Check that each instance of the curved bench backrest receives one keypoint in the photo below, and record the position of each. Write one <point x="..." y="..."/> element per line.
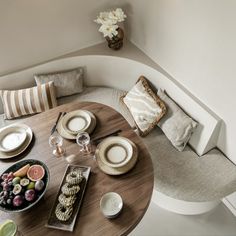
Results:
<point x="122" y="73"/>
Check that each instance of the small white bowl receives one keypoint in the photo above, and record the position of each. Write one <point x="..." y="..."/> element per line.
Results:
<point x="11" y="138"/>
<point x="111" y="204"/>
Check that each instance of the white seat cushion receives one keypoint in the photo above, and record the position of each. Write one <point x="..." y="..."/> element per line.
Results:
<point x="181" y="175"/>
<point x="107" y="96"/>
<point x="185" y="175"/>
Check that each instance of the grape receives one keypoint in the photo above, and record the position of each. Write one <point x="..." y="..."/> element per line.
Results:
<point x="6" y="187"/>
<point x="4" y="176"/>
<point x="10" y="175"/>
<point x="5" y="194"/>
<point x="2" y="201"/>
<point x="9" y="201"/>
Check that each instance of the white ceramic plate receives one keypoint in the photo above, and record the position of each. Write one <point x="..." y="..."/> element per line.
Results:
<point x="22" y="148"/>
<point x="120" y="170"/>
<point x="67" y="135"/>
<point x="115" y="151"/>
<point x="76" y="121"/>
<point x="11" y="138"/>
<point x="111" y="204"/>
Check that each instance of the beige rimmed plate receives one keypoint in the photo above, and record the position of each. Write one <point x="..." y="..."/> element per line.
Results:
<point x="76" y="121"/>
<point x="67" y="135"/>
<point x="22" y="148"/>
<point x="115" y="151"/>
<point x="120" y="170"/>
<point x="11" y="138"/>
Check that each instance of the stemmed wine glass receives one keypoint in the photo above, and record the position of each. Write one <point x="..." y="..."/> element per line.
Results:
<point x="56" y="141"/>
<point x="83" y="140"/>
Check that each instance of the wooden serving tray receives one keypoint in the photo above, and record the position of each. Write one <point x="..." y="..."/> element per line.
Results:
<point x="53" y="222"/>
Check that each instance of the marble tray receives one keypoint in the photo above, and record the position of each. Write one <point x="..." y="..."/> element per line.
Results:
<point x="53" y="222"/>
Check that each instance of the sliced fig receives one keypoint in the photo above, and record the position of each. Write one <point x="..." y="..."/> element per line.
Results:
<point x="17" y="189"/>
<point x="24" y="182"/>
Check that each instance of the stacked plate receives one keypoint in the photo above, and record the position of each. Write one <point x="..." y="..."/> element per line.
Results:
<point x="76" y="121"/>
<point x="14" y="140"/>
<point x="116" y="155"/>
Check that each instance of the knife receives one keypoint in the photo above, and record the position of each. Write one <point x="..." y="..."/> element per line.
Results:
<point x="98" y="139"/>
<point x="55" y="125"/>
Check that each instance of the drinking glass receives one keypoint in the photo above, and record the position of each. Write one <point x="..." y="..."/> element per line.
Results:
<point x="83" y="140"/>
<point x="56" y="142"/>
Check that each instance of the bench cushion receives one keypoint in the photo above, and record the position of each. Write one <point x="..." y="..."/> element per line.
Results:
<point x="181" y="175"/>
<point x="185" y="175"/>
<point x="107" y="96"/>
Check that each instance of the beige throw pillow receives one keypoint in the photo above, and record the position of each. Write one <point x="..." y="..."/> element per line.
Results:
<point x="22" y="102"/>
<point x="145" y="106"/>
<point x="66" y="82"/>
<point x="176" y="125"/>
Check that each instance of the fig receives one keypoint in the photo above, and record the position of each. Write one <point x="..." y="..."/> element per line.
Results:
<point x="17" y="189"/>
<point x="30" y="195"/>
<point x="18" y="200"/>
<point x="16" y="180"/>
<point x="24" y="182"/>
<point x="39" y="185"/>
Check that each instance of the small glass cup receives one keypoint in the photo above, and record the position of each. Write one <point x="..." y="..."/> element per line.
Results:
<point x="56" y="142"/>
<point x="83" y="140"/>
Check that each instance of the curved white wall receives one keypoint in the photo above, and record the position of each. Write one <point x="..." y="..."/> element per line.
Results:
<point x="194" y="41"/>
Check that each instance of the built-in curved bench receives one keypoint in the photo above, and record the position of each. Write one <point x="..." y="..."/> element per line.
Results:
<point x="184" y="182"/>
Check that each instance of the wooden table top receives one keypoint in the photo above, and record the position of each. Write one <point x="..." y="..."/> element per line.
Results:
<point x="135" y="187"/>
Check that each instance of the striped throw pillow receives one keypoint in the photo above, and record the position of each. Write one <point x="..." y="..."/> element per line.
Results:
<point x="145" y="106"/>
<point x="33" y="100"/>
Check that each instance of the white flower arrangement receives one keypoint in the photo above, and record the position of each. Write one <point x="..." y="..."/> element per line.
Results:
<point x="108" y="22"/>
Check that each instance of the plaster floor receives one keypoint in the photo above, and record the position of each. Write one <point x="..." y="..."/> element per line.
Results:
<point x="159" y="222"/>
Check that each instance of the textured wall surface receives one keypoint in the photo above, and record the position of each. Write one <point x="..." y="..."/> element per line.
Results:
<point x="194" y="41"/>
<point x="35" y="31"/>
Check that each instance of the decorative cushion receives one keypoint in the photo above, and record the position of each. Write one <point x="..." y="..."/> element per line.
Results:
<point x="145" y="106"/>
<point x="176" y="125"/>
<point x="22" y="102"/>
<point x="66" y="82"/>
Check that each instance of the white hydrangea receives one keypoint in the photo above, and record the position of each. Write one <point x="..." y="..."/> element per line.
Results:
<point x="109" y="30"/>
<point x="109" y="20"/>
<point x="104" y="18"/>
<point x="118" y="15"/>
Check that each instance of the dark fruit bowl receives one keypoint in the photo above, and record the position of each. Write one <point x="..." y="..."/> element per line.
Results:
<point x="28" y="205"/>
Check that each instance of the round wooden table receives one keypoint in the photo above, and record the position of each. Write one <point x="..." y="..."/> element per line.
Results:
<point x="135" y="187"/>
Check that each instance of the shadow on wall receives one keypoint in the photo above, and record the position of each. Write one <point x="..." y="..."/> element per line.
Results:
<point x="140" y="23"/>
<point x="222" y="138"/>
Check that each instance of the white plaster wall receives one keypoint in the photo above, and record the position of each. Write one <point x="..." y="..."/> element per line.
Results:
<point x="195" y="42"/>
<point x="33" y="31"/>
